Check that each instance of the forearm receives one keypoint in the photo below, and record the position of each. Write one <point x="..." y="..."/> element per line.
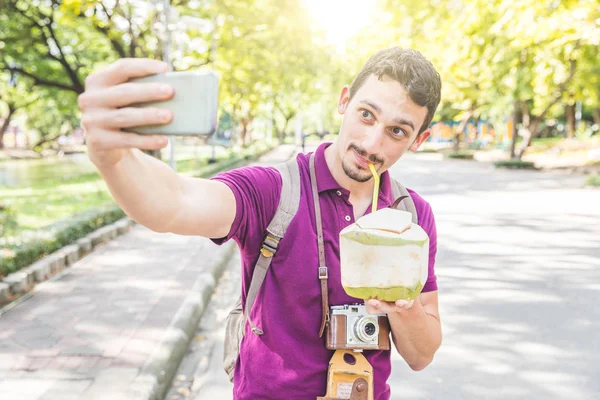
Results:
<point x="416" y="334"/>
<point x="145" y="188"/>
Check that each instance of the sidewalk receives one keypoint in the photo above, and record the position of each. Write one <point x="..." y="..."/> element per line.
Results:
<point x="117" y="323"/>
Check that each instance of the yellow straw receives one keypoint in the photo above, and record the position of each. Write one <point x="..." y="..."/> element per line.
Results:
<point x="376" y="188"/>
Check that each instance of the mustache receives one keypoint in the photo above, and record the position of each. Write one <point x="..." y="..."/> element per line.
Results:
<point x="363" y="153"/>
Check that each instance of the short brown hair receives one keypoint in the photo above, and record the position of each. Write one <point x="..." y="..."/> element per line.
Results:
<point x="411" y="69"/>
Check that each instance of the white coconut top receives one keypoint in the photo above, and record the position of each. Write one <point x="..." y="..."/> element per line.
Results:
<point x="386" y="219"/>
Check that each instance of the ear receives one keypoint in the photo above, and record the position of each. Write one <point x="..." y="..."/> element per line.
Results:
<point x="344" y="99"/>
<point x="420" y="140"/>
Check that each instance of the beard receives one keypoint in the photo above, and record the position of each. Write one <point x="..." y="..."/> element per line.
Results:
<point x="355" y="172"/>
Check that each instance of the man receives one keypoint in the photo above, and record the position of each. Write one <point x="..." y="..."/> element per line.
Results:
<point x="386" y="112"/>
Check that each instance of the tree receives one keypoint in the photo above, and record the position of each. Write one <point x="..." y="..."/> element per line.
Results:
<point x="264" y="54"/>
<point x="15" y="95"/>
<point x="55" y="44"/>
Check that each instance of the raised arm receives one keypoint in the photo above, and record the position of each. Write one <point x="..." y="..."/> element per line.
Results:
<point x="146" y="188"/>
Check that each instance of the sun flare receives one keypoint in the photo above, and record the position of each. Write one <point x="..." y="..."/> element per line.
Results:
<point x="341" y="19"/>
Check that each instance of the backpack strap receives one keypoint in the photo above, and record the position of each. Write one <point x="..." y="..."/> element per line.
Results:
<point x="403" y="200"/>
<point x="286" y="210"/>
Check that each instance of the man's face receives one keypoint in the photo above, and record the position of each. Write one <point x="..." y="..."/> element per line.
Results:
<point x="379" y="124"/>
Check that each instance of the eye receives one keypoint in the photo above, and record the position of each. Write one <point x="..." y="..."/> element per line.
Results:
<point x="398" y="132"/>
<point x="366" y="114"/>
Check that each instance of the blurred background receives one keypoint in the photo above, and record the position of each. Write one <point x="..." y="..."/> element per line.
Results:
<point x="521" y="79"/>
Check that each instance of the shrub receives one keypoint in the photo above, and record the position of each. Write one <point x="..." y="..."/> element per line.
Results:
<point x="20" y="251"/>
<point x="593" y="180"/>
<point x="8" y="220"/>
<point x="515" y="164"/>
<point x="461" y="156"/>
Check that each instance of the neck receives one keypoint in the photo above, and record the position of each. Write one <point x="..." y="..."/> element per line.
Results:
<point x="334" y="163"/>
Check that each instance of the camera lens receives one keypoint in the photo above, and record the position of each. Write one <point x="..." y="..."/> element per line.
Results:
<point x="366" y="330"/>
<point x="370" y="329"/>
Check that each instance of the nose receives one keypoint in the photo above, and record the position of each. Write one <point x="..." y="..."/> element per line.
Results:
<point x="374" y="141"/>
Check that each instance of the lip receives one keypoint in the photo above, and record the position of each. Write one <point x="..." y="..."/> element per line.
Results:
<point x="361" y="160"/>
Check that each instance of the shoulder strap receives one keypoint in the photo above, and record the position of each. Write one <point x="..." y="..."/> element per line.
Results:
<point x="287" y="208"/>
<point x="403" y="200"/>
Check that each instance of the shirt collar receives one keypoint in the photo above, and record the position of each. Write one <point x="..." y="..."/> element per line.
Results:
<point x="326" y="181"/>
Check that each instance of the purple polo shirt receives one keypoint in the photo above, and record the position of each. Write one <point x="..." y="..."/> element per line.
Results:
<point x="290" y="360"/>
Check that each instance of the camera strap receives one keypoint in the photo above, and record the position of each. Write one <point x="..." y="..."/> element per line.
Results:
<point x="322" y="267"/>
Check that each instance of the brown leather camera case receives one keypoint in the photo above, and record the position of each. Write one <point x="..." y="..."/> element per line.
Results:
<point x="336" y="334"/>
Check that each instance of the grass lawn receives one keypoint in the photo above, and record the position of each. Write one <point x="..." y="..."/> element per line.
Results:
<point x="39" y="205"/>
<point x="50" y="200"/>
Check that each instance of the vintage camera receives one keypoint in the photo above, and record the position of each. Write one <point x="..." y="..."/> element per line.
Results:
<point x="351" y="327"/>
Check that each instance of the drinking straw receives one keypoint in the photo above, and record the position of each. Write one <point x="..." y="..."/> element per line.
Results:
<point x="376" y="188"/>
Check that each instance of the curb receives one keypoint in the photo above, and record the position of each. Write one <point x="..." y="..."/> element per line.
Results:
<point x="156" y="375"/>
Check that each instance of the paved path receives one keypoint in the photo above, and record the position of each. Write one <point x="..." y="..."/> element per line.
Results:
<point x="519" y="274"/>
<point x="111" y="325"/>
<point x="88" y="334"/>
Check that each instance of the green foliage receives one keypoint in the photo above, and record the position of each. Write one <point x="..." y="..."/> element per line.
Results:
<point x="8" y="220"/>
<point x="539" y="55"/>
<point x="515" y="164"/>
<point x="593" y="180"/>
<point x="22" y="251"/>
<point x="275" y="65"/>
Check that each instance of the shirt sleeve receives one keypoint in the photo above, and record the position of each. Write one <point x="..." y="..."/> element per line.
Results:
<point x="256" y="191"/>
<point x="427" y="222"/>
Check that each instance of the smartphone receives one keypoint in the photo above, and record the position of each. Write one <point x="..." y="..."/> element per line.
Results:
<point x="194" y="104"/>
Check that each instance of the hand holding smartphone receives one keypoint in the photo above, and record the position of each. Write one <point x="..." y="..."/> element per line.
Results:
<point x="194" y="104"/>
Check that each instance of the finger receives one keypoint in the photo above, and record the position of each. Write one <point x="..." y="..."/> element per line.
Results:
<point x="124" y="69"/>
<point x="370" y="306"/>
<point x="373" y="303"/>
<point x="375" y="306"/>
<point x="124" y="95"/>
<point x="109" y="140"/>
<point x="128" y="117"/>
<point x="405" y="304"/>
<point x="401" y="303"/>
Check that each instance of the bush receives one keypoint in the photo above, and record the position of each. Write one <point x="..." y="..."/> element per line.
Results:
<point x="461" y="156"/>
<point x="515" y="164"/>
<point x="593" y="180"/>
<point x="19" y="252"/>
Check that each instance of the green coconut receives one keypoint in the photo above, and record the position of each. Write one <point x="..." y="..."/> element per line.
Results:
<point x="385" y="256"/>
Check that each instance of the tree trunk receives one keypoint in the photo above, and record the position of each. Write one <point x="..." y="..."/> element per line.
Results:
<point x="5" y="125"/>
<point x="456" y="145"/>
<point x="244" y="123"/>
<point x="460" y="129"/>
<point x="570" y="117"/>
<point x="596" y="115"/>
<point x="515" y="131"/>
<point x="287" y="121"/>
<point x="275" y="132"/>
<point x="530" y="132"/>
